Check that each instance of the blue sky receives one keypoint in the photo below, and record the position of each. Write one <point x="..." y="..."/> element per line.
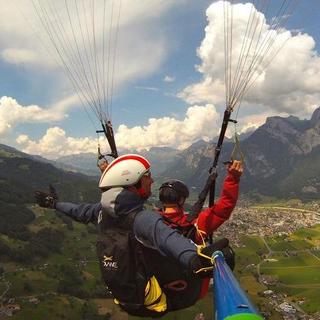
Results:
<point x="168" y="77"/>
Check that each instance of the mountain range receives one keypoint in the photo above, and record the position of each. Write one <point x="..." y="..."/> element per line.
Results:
<point x="21" y="174"/>
<point x="282" y="160"/>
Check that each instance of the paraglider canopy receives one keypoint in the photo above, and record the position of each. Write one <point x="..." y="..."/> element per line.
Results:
<point x="82" y="37"/>
<point x="250" y="46"/>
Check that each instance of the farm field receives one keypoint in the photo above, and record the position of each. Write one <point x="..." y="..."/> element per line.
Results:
<point x="296" y="265"/>
<point x="67" y="284"/>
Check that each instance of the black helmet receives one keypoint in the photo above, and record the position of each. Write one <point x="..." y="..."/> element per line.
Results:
<point x="173" y="191"/>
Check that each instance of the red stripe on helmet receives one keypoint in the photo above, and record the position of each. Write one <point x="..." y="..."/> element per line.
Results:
<point x="142" y="160"/>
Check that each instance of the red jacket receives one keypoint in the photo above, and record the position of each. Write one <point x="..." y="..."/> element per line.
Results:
<point x="211" y="218"/>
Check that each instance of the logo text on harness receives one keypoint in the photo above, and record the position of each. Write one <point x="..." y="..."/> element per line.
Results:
<point x="109" y="263"/>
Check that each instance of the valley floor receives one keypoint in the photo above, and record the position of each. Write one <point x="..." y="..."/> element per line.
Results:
<point x="278" y="264"/>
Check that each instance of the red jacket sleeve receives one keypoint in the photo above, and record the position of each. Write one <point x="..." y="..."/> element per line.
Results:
<point x="210" y="219"/>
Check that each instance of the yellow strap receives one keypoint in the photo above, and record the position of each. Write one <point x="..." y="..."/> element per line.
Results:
<point x="199" y="251"/>
<point x="201" y="233"/>
<point x="204" y="269"/>
<point x="200" y="248"/>
<point x="155" y="299"/>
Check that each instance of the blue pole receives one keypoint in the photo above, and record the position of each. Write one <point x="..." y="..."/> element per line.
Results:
<point x="231" y="302"/>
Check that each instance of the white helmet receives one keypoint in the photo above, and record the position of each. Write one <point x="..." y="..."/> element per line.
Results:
<point x="124" y="171"/>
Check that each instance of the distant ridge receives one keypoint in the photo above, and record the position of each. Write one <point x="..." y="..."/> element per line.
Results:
<point x="21" y="174"/>
<point x="282" y="159"/>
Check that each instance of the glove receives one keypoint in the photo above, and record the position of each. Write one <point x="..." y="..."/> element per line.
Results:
<point x="236" y="169"/>
<point x="229" y="257"/>
<point x="200" y="262"/>
<point x="45" y="199"/>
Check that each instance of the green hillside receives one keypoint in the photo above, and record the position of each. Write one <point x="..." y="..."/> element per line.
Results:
<point x="19" y="177"/>
<point x="49" y="269"/>
<point x="40" y="255"/>
<point x="61" y="278"/>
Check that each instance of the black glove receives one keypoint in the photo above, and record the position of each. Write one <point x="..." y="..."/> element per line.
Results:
<point x="229" y="257"/>
<point x="199" y="262"/>
<point x="46" y="199"/>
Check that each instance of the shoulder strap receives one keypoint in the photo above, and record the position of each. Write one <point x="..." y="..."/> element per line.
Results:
<point x="192" y="216"/>
<point x="126" y="222"/>
<point x="107" y="221"/>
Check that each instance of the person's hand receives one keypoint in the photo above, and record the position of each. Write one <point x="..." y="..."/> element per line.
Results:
<point x="202" y="264"/>
<point x="236" y="168"/>
<point x="46" y="199"/>
<point x="103" y="165"/>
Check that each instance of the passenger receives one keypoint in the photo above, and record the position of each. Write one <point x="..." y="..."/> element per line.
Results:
<point x="173" y="194"/>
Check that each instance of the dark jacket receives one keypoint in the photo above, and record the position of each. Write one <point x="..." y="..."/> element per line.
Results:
<point x="148" y="227"/>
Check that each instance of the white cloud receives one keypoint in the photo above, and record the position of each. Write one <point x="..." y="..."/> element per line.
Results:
<point x="12" y="114"/>
<point x="17" y="56"/>
<point x="169" y="79"/>
<point x="290" y="84"/>
<point x="147" y="88"/>
<point x="60" y="107"/>
<point x="56" y="143"/>
<point x="200" y="122"/>
<point x="141" y="48"/>
<point x="208" y="90"/>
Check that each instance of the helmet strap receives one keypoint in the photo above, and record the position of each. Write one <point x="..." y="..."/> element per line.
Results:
<point x="138" y="190"/>
<point x="142" y="193"/>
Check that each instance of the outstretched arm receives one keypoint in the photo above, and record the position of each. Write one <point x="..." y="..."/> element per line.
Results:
<point x="211" y="218"/>
<point x="151" y="231"/>
<point x="84" y="212"/>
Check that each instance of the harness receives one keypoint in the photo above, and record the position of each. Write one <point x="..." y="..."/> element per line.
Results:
<point x="134" y="272"/>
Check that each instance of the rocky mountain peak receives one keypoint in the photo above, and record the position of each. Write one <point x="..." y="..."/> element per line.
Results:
<point x="283" y="130"/>
<point x="285" y="125"/>
<point x="310" y="139"/>
<point x="315" y="119"/>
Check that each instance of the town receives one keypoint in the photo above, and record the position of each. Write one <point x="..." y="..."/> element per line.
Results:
<point x="273" y="221"/>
